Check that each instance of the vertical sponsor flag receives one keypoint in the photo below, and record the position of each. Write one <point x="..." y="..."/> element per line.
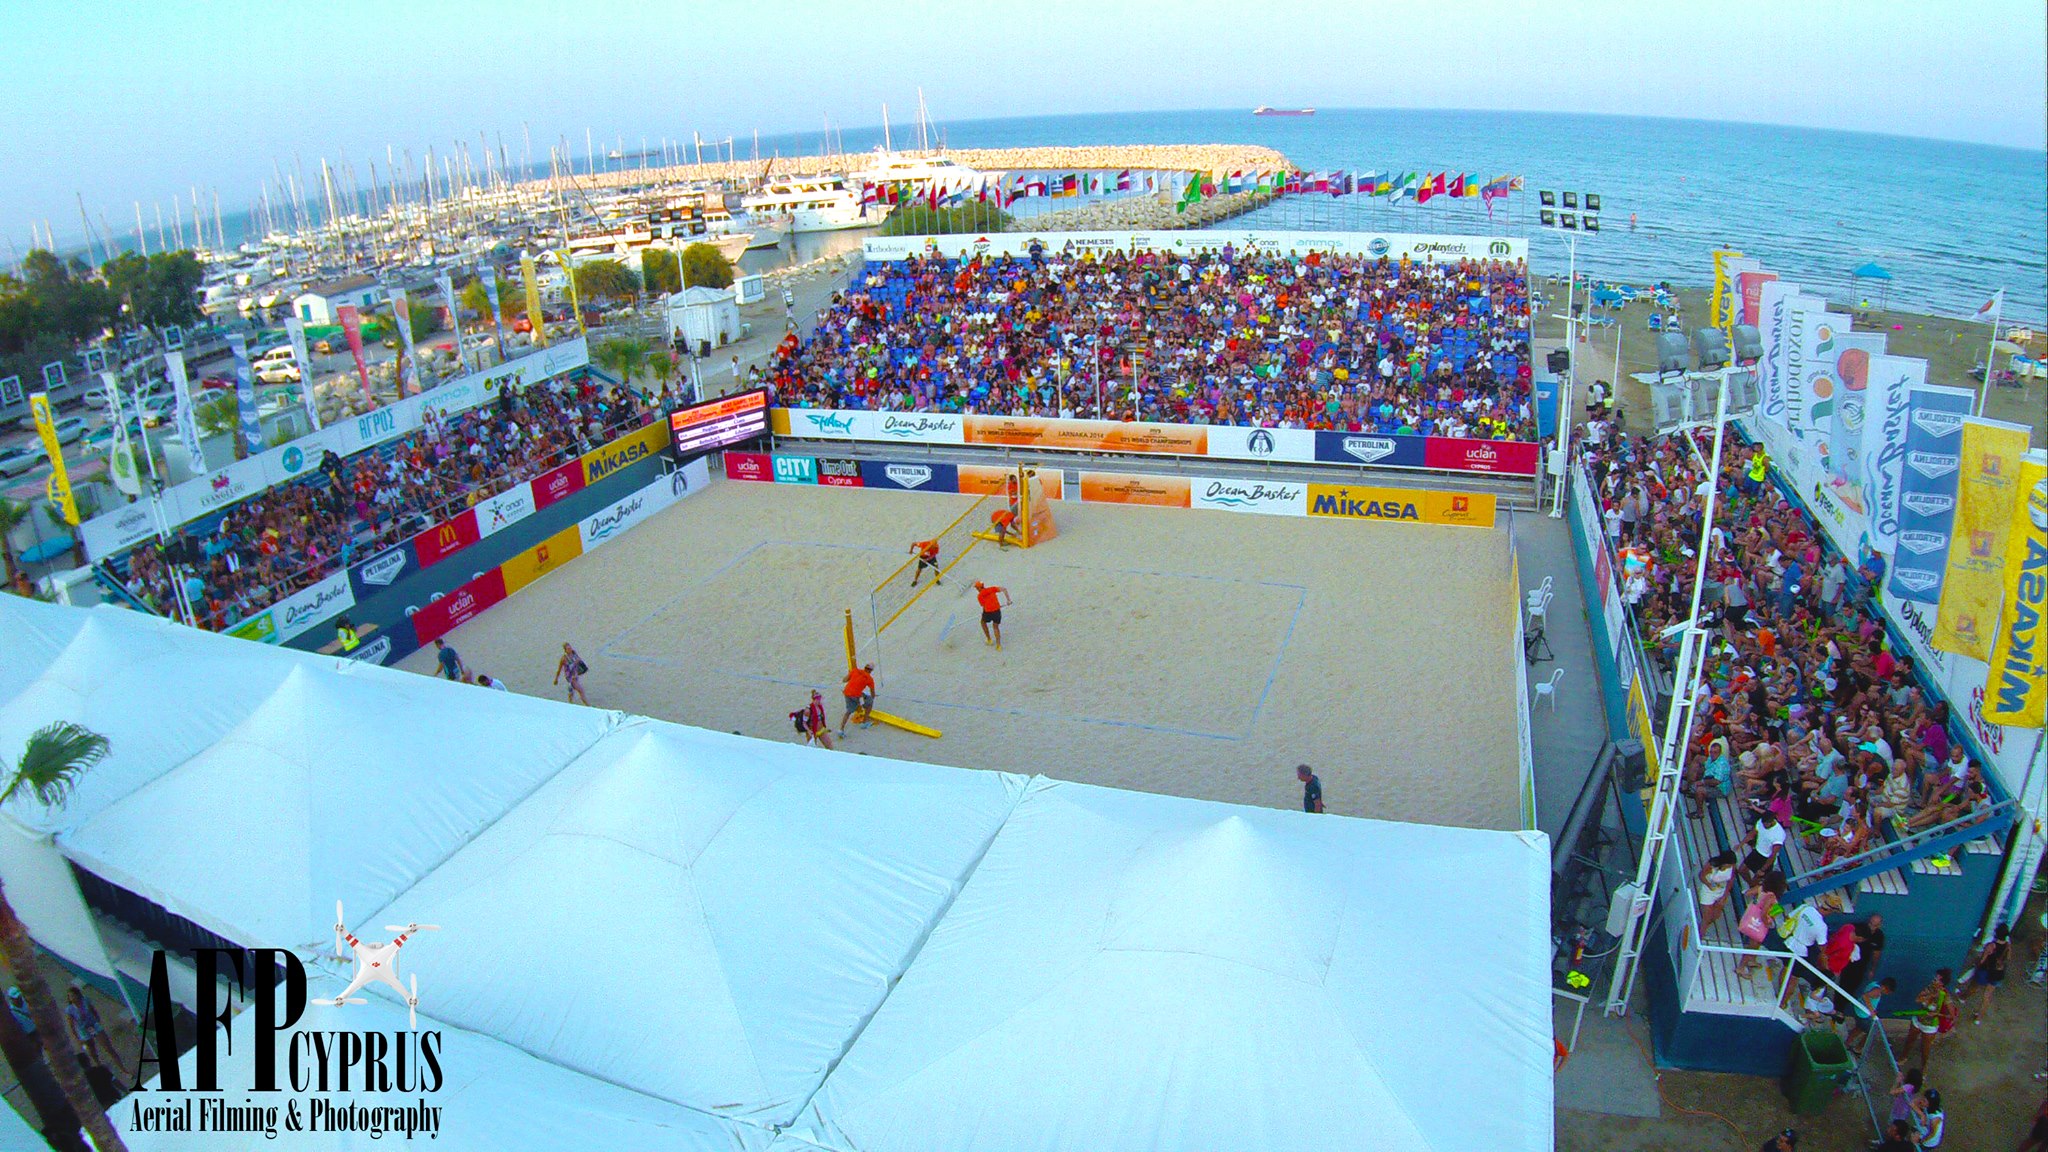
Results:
<point x="1927" y="501"/>
<point x="535" y="319"/>
<point x="1775" y="303"/>
<point x="121" y="462"/>
<point x="489" y="276"/>
<point x="447" y="286"/>
<point x="352" y="328"/>
<point x="1842" y="448"/>
<point x="188" y="420"/>
<point x="59" y="485"/>
<point x="1816" y="389"/>
<point x="245" y="395"/>
<point x="1749" y="288"/>
<point x="575" y="296"/>
<point x="1987" y="483"/>
<point x="401" y="311"/>
<point x="295" y="328"/>
<point x="1883" y="451"/>
<point x="2016" y="689"/>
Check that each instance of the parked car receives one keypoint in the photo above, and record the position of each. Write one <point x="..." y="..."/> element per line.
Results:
<point x="217" y="383"/>
<point x="15" y="461"/>
<point x="278" y="372"/>
<point x="70" y="429"/>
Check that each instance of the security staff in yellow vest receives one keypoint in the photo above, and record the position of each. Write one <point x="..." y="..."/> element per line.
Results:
<point x="1759" y="467"/>
<point x="345" y="632"/>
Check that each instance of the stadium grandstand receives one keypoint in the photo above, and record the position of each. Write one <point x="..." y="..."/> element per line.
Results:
<point x="255" y="553"/>
<point x="1322" y="341"/>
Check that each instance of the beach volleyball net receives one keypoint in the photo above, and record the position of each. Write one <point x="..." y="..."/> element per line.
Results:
<point x="894" y="596"/>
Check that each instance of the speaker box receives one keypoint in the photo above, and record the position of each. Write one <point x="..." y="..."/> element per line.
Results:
<point x="1559" y="361"/>
<point x="1633" y="765"/>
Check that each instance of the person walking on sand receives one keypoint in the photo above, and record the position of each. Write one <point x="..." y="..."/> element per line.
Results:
<point x="449" y="662"/>
<point x="992" y="597"/>
<point x="1311" y="788"/>
<point x="1988" y="972"/>
<point x="572" y="666"/>
<point x="859" y="692"/>
<point x="927" y="553"/>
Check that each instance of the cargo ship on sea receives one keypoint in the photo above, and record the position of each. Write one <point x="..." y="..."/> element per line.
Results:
<point x="1262" y="110"/>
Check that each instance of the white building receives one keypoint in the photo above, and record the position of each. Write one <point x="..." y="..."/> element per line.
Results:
<point x="704" y="317"/>
<point x="317" y="304"/>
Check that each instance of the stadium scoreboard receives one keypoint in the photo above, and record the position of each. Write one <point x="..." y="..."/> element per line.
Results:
<point x="713" y="424"/>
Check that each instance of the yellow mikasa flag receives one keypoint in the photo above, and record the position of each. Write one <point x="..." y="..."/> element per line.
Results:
<point x="59" y="485"/>
<point x="575" y="302"/>
<point x="533" y="313"/>
<point x="1975" y="580"/>
<point x="2016" y="690"/>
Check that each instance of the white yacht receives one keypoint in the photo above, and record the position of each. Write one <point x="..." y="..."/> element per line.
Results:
<point x="814" y="204"/>
<point x="762" y="232"/>
<point x="895" y="168"/>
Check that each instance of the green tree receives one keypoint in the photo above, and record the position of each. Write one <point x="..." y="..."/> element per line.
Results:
<point x="12" y="513"/>
<point x="156" y="290"/>
<point x="659" y="270"/>
<point x="605" y="280"/>
<point x="49" y="768"/>
<point x="220" y="415"/>
<point x="510" y="303"/>
<point x="706" y="267"/>
<point x="625" y="357"/>
<point x="921" y="220"/>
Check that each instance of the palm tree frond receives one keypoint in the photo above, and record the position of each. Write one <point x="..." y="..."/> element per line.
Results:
<point x="56" y="756"/>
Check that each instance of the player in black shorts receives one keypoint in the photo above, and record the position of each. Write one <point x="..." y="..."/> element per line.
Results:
<point x="992" y="597"/>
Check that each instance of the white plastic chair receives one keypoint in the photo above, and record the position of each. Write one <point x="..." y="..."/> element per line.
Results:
<point x="1540" y="593"/>
<point x="1539" y="609"/>
<point x="1549" y="688"/>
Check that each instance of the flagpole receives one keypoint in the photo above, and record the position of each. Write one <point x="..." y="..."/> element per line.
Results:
<point x="1990" y="351"/>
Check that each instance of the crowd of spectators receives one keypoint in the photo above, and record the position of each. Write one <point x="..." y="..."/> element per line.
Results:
<point x="1805" y="714"/>
<point x="263" y="549"/>
<point x="1315" y="341"/>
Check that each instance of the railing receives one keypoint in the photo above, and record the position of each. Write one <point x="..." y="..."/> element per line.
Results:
<point x="1892" y="853"/>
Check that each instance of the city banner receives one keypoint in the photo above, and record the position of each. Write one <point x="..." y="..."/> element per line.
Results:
<point x="1927" y="499"/>
<point x="1987" y="483"/>
<point x="2016" y="687"/>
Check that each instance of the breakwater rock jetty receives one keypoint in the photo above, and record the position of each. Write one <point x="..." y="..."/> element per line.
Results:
<point x="1214" y="158"/>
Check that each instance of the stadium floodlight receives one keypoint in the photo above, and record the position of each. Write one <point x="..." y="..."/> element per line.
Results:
<point x="1749" y="344"/>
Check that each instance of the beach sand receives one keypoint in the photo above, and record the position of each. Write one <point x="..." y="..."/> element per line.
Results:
<point x="1190" y="652"/>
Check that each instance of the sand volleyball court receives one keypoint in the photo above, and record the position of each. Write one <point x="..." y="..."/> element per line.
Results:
<point x="1192" y="652"/>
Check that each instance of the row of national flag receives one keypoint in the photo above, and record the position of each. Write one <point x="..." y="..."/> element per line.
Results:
<point x="1003" y="190"/>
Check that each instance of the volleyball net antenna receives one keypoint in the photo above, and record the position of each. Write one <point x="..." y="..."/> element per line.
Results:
<point x="894" y="596"/>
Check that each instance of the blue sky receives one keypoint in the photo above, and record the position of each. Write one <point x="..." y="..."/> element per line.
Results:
<point x="140" y="101"/>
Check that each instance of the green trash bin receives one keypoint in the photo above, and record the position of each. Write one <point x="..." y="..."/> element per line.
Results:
<point x="1820" y="1062"/>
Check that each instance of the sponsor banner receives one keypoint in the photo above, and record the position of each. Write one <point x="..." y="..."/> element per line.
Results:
<point x="379" y="649"/>
<point x="2016" y="683"/>
<point x="989" y="480"/>
<point x="59" y="484"/>
<point x="1842" y="450"/>
<point x="352" y="328"/>
<point x="1749" y="288"/>
<point x="122" y="528"/>
<point x="1126" y="488"/>
<point x="1358" y="502"/>
<point x="1974" y="582"/>
<point x="1509" y="457"/>
<point x="187" y="416"/>
<point x="383" y="570"/>
<point x="261" y="628"/>
<point x="1269" y="497"/>
<point x="1776" y="299"/>
<point x="245" y="394"/>
<point x="1292" y="445"/>
<point x="207" y="494"/>
<point x="644" y="502"/>
<point x="503" y="510"/>
<point x="599" y="463"/>
<point x="446" y="538"/>
<point x="296" y="329"/>
<point x="916" y="427"/>
<point x="914" y="477"/>
<point x="1088" y="435"/>
<point x="839" y="473"/>
<point x="1927" y="499"/>
<point x="1883" y="451"/>
<point x="749" y="466"/>
<point x="542" y="558"/>
<point x="794" y="469"/>
<point x="441" y="616"/>
<point x="1802" y="465"/>
<point x="556" y="484"/>
<point x="1391" y="245"/>
<point x="315" y="605"/>
<point x="1370" y="448"/>
<point x="1809" y="335"/>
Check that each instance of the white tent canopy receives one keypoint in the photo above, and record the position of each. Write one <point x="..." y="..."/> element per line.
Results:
<point x="1130" y="971"/>
<point x="659" y="937"/>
